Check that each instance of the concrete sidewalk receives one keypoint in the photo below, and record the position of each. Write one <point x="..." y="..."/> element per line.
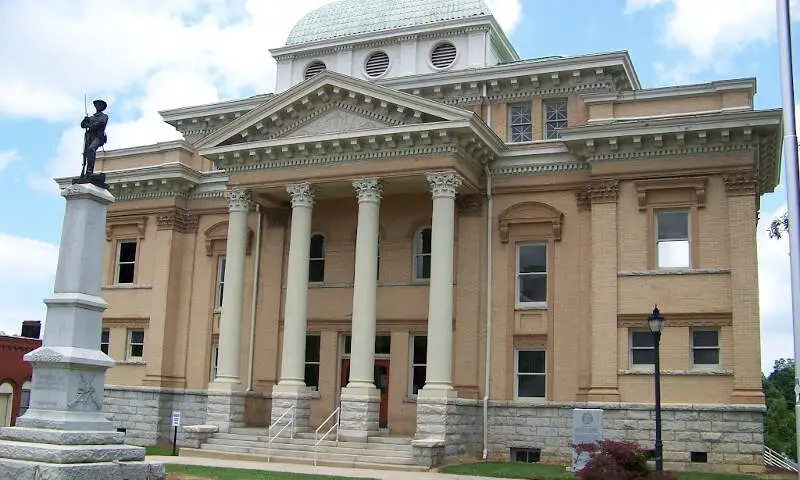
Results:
<point x="310" y="469"/>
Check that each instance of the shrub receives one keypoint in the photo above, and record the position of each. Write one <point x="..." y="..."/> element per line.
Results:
<point x="617" y="460"/>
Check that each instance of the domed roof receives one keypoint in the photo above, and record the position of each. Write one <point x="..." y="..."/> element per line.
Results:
<point x="351" y="17"/>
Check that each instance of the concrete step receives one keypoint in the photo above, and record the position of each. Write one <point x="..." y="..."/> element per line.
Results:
<point x="304" y="459"/>
<point x="337" y="455"/>
<point x="232" y="439"/>
<point x="328" y="447"/>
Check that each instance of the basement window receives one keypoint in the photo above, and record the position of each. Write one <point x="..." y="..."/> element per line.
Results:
<point x="526" y="455"/>
<point x="699" y="457"/>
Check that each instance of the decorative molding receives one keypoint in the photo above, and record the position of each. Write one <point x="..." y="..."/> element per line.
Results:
<point x="741" y="183"/>
<point x="697" y="185"/>
<point x="218" y="232"/>
<point x="583" y="199"/>
<point x="239" y="200"/>
<point x="530" y="213"/>
<point x="179" y="220"/>
<point x="85" y="395"/>
<point x="138" y="221"/>
<point x="444" y="184"/>
<point x="126" y="322"/>
<point x="639" y="320"/>
<point x="469" y="205"/>
<point x="674" y="271"/>
<point x="539" y="168"/>
<point x="601" y="191"/>
<point x="368" y="190"/>
<point x="302" y="194"/>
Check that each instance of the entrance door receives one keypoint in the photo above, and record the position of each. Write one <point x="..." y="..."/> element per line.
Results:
<point x="381" y="379"/>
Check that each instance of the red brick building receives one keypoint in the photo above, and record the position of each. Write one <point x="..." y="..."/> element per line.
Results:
<point x="15" y="373"/>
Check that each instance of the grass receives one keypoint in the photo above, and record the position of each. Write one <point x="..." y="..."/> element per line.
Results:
<point x="158" y="451"/>
<point x="238" y="474"/>
<point x="532" y="471"/>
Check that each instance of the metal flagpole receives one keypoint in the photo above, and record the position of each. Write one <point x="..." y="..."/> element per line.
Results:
<point x="792" y="184"/>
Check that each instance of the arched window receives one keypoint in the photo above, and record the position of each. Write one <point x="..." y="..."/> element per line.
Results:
<point x="316" y="262"/>
<point x="6" y="403"/>
<point x="422" y="254"/>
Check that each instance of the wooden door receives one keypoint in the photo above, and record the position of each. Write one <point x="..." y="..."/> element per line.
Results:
<point x="381" y="383"/>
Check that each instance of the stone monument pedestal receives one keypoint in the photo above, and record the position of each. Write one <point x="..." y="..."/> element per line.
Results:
<point x="64" y="434"/>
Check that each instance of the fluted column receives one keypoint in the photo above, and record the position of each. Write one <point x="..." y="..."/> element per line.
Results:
<point x="296" y="308"/>
<point x="362" y="362"/>
<point x="230" y="324"/>
<point x="439" y="377"/>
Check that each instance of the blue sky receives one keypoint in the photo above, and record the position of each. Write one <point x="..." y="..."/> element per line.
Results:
<point x="146" y="55"/>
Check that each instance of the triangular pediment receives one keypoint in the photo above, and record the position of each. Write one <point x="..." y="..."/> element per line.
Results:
<point x="331" y="103"/>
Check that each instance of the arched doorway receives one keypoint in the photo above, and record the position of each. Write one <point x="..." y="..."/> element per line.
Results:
<point x="6" y="403"/>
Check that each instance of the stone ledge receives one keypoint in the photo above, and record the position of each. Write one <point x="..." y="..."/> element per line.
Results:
<point x="24" y="470"/>
<point x="201" y="429"/>
<point x="427" y="443"/>
<point x="48" y="453"/>
<point x="36" y="435"/>
<point x="630" y="406"/>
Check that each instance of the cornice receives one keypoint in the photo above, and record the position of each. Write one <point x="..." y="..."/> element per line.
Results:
<point x="694" y="319"/>
<point x="598" y="191"/>
<point x="741" y="183"/>
<point x="746" y="84"/>
<point x="538" y="168"/>
<point x="178" y="220"/>
<point x="146" y="149"/>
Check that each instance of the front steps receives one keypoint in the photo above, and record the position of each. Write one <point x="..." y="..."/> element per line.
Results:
<point x="250" y="444"/>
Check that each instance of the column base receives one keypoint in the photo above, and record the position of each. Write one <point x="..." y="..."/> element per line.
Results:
<point x="284" y="397"/>
<point x="360" y="412"/>
<point x="449" y="423"/>
<point x="226" y="410"/>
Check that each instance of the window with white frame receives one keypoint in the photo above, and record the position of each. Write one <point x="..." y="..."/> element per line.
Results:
<point x="531" y="373"/>
<point x="555" y="117"/>
<point x="705" y="347"/>
<point x="214" y="360"/>
<point x="422" y="254"/>
<point x="220" y="287"/>
<point x="126" y="262"/>
<point x="419" y="362"/>
<point x="104" y="340"/>
<point x="316" y="262"/>
<point x="532" y="275"/>
<point x="25" y="398"/>
<point x="673" y="247"/>
<point x="520" y="123"/>
<point x="312" y="361"/>
<point x="135" y="344"/>
<point x="643" y="352"/>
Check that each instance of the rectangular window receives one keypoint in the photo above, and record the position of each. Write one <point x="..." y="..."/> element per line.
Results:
<point x="104" y="340"/>
<point x="24" y="399"/>
<point x="383" y="344"/>
<point x="214" y="360"/>
<point x="126" y="261"/>
<point x="705" y="347"/>
<point x="555" y="117"/>
<point x="220" y="290"/>
<point x="419" y="360"/>
<point x="673" y="248"/>
<point x="532" y="275"/>
<point x="520" y="124"/>
<point x="312" y="361"/>
<point x="422" y="254"/>
<point x="531" y="374"/>
<point x="135" y="344"/>
<point x="643" y="350"/>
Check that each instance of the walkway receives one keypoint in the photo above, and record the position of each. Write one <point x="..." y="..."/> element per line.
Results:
<point x="310" y="469"/>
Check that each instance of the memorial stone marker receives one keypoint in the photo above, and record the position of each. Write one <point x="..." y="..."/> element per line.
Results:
<point x="587" y="427"/>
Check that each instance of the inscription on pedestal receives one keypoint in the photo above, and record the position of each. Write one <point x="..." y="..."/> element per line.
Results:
<point x="587" y="427"/>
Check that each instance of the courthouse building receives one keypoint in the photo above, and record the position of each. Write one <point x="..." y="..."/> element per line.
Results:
<point x="453" y="245"/>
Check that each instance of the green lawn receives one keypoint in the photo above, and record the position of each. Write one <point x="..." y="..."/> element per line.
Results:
<point x="237" y="474"/>
<point x="556" y="472"/>
<point x="158" y="451"/>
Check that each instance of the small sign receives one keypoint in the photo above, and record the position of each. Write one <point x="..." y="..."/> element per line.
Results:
<point x="587" y="427"/>
<point x="176" y="419"/>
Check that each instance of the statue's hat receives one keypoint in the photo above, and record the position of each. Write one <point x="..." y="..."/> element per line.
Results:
<point x="100" y="105"/>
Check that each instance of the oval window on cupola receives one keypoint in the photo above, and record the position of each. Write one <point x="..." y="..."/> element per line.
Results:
<point x="443" y="55"/>
<point x="314" y="68"/>
<point x="377" y="64"/>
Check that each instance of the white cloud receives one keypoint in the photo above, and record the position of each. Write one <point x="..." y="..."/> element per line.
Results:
<point x="712" y="32"/>
<point x="774" y="293"/>
<point x="8" y="156"/>
<point x="508" y="13"/>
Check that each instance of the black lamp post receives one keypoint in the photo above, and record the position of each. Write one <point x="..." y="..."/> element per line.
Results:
<point x="656" y="323"/>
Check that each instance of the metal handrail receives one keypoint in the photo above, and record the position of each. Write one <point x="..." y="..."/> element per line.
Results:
<point x="778" y="460"/>
<point x="335" y="425"/>
<point x="271" y="437"/>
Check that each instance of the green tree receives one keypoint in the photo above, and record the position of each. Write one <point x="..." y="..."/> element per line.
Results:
<point x="780" y="426"/>
<point x="779" y="226"/>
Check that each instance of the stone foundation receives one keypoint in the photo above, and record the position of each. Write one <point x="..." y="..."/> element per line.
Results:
<point x="359" y="414"/>
<point x="225" y="410"/>
<point x="451" y="424"/>
<point x="283" y="399"/>
<point x="732" y="436"/>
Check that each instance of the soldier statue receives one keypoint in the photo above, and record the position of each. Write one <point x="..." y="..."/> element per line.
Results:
<point x="95" y="136"/>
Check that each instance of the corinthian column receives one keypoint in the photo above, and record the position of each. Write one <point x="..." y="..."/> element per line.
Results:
<point x="230" y="324"/>
<point x="438" y="379"/>
<point x="360" y="401"/>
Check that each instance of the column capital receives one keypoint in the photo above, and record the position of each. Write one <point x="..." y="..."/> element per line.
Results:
<point x="302" y="194"/>
<point x="238" y="200"/>
<point x="368" y="190"/>
<point x="444" y="184"/>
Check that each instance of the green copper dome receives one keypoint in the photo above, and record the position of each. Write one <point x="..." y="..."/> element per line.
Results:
<point x="351" y="17"/>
